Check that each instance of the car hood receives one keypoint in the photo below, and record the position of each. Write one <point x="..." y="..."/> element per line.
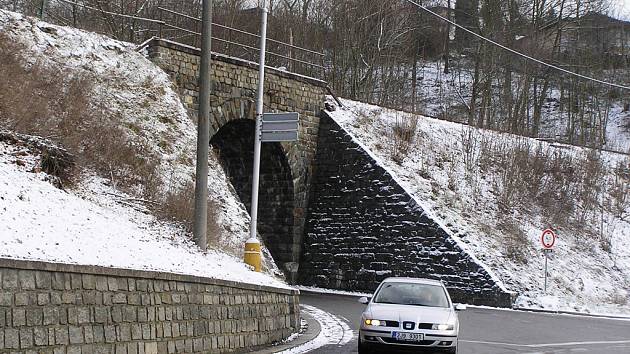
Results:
<point x="417" y="314"/>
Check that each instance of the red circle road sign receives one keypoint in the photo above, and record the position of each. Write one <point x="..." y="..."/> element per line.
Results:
<point x="548" y="239"/>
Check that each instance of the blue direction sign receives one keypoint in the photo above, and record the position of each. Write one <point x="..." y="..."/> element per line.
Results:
<point x="278" y="127"/>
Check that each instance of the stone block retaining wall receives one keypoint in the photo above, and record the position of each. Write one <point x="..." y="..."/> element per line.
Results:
<point x="364" y="227"/>
<point x="57" y="308"/>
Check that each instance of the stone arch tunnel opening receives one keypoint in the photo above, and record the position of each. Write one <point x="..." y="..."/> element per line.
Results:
<point x="234" y="144"/>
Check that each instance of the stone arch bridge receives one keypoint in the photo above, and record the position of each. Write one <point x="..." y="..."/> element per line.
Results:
<point x="328" y="213"/>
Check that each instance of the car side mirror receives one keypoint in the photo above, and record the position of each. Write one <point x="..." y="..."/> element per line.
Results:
<point x="364" y="300"/>
<point x="460" y="307"/>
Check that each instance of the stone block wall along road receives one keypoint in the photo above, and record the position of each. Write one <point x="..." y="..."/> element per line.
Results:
<point x="57" y="308"/>
<point x="363" y="227"/>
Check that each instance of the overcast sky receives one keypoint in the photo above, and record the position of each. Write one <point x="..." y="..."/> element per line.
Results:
<point x="624" y="8"/>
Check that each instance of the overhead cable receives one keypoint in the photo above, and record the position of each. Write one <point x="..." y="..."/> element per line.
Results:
<point x="555" y="67"/>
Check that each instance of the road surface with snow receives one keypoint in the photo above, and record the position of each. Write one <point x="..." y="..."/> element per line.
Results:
<point x="488" y="331"/>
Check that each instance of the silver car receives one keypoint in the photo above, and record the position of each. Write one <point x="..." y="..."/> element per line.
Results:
<point x="409" y="314"/>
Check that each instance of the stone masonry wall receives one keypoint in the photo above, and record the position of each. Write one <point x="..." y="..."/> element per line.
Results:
<point x="234" y="86"/>
<point x="363" y="227"/>
<point x="55" y="308"/>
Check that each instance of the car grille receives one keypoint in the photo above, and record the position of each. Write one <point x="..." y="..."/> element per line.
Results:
<point x="396" y="341"/>
<point x="425" y="325"/>
<point x="409" y="325"/>
<point x="392" y="324"/>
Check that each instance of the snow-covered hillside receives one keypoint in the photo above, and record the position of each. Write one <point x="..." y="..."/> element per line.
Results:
<point x="96" y="225"/>
<point x="460" y="175"/>
<point x="141" y="100"/>
<point x="448" y="95"/>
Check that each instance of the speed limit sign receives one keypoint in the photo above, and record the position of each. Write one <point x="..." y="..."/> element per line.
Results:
<point x="548" y="239"/>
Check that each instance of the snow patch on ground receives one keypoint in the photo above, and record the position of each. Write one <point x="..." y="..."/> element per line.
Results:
<point x="97" y="225"/>
<point x="334" y="331"/>
<point x="583" y="277"/>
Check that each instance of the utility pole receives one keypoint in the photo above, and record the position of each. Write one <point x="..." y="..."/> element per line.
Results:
<point x="203" y="131"/>
<point x="259" y="114"/>
<point x="42" y="10"/>
<point x="447" y="40"/>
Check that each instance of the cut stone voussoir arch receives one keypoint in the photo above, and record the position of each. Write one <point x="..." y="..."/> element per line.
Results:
<point x="234" y="85"/>
<point x="234" y="143"/>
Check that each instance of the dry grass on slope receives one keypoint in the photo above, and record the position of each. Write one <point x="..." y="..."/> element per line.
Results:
<point x="53" y="103"/>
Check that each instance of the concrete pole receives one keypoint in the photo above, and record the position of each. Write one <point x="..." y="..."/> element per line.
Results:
<point x="42" y="10"/>
<point x="259" y="113"/>
<point x="546" y="258"/>
<point x="203" y="131"/>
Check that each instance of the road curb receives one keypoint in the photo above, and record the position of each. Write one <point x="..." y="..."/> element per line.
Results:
<point x="317" y="292"/>
<point x="574" y="313"/>
<point x="312" y="331"/>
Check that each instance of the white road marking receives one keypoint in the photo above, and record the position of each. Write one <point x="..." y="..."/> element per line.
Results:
<point x="335" y="331"/>
<point x="546" y="345"/>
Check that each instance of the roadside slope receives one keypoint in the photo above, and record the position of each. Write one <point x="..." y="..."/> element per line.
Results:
<point x="497" y="192"/>
<point x="134" y="116"/>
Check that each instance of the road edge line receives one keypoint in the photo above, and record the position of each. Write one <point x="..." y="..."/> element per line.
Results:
<point x="313" y="330"/>
<point x="574" y="313"/>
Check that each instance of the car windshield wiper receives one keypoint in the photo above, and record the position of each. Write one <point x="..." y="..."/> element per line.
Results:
<point x="386" y="302"/>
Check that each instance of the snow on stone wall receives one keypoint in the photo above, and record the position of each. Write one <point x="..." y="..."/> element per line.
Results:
<point x="363" y="227"/>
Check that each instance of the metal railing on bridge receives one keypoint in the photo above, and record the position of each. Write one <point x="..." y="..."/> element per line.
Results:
<point x="241" y="44"/>
<point x="185" y="29"/>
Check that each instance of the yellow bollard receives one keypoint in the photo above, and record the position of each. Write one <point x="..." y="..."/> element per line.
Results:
<point x="253" y="255"/>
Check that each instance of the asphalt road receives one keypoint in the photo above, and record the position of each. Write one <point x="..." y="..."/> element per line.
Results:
<point x="487" y="331"/>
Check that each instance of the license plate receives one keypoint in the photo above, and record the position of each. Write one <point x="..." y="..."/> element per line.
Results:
<point x="408" y="337"/>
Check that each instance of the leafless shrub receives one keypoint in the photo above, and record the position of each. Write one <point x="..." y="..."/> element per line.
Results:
<point x="44" y="101"/>
<point x="54" y="160"/>
<point x="620" y="189"/>
<point x="563" y="187"/>
<point x="619" y="299"/>
<point x="179" y="206"/>
<point x="517" y="246"/>
<point x="365" y="119"/>
<point x="470" y="140"/>
<point x="592" y="171"/>
<point x="511" y="162"/>
<point x="403" y="135"/>
<point x="58" y="105"/>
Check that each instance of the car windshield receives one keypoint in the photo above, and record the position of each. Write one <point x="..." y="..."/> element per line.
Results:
<point x="412" y="294"/>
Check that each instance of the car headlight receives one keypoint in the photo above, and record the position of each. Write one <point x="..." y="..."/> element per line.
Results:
<point x="377" y="323"/>
<point x="443" y="327"/>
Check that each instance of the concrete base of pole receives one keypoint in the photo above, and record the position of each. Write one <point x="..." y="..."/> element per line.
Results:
<point x="253" y="256"/>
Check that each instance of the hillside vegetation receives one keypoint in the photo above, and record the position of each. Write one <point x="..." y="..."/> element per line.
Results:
<point x="497" y="192"/>
<point x="395" y="54"/>
<point x="120" y="119"/>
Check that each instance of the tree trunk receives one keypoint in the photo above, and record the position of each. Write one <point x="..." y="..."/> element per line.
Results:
<point x="466" y="15"/>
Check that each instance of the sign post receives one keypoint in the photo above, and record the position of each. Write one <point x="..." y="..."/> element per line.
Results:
<point x="270" y="127"/>
<point x="548" y="240"/>
<point x="278" y="127"/>
<point x="257" y="143"/>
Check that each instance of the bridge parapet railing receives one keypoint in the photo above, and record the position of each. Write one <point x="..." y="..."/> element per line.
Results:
<point x="186" y="29"/>
<point x="139" y="26"/>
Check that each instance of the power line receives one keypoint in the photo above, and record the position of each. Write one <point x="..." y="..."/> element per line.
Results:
<point x="111" y="13"/>
<point x="517" y="52"/>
